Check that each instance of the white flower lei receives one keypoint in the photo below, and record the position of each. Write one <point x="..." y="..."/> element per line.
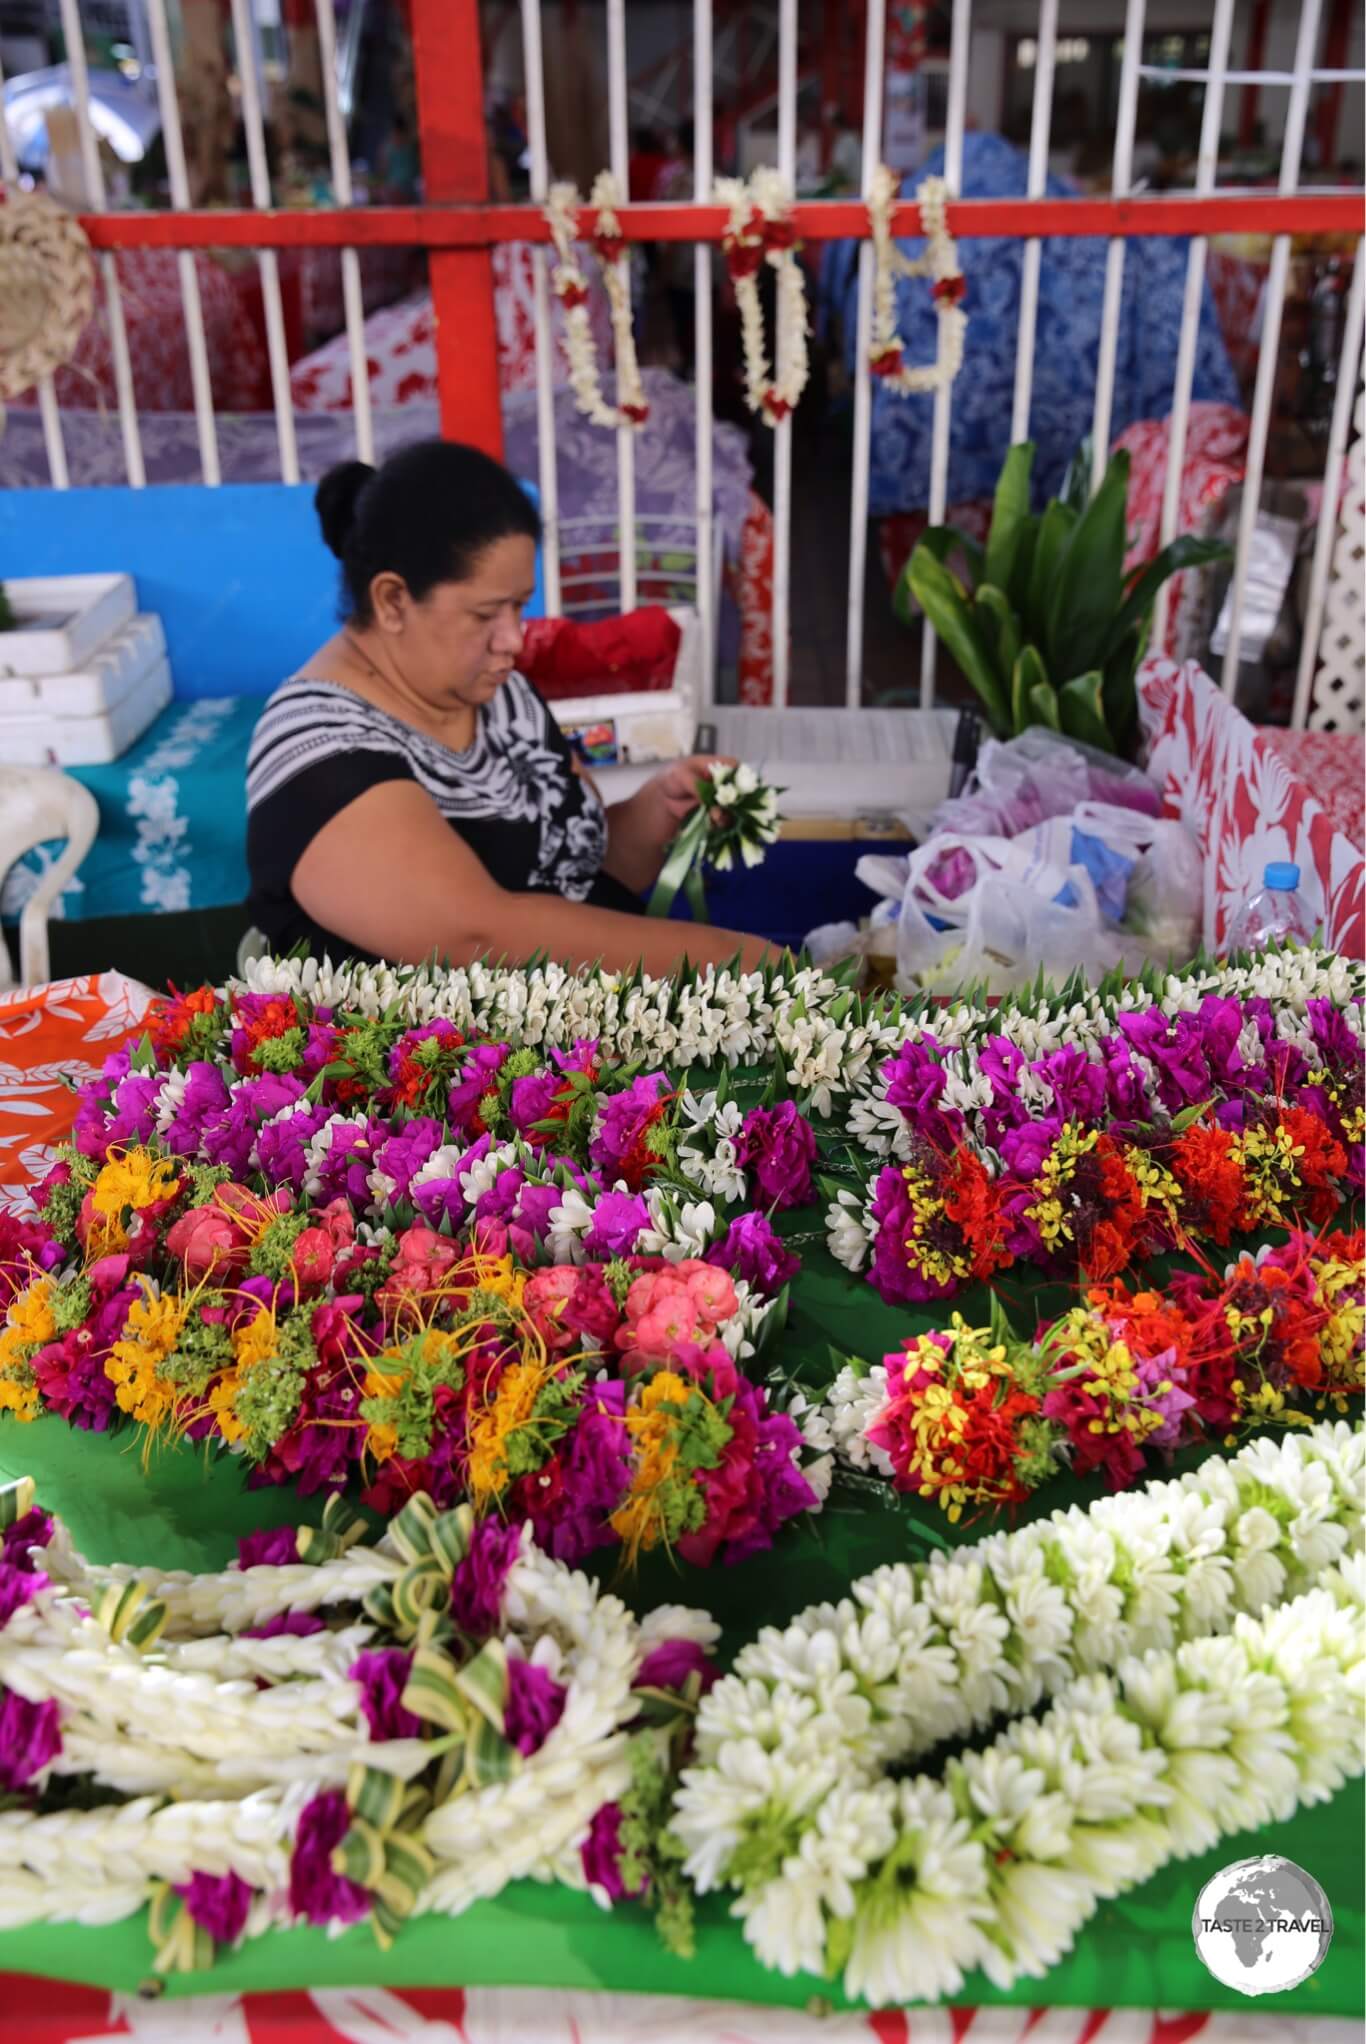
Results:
<point x="793" y="1745"/>
<point x="830" y="1045"/>
<point x="758" y="207"/>
<point x="183" y="1718"/>
<point x="571" y="287"/>
<point x="886" y="349"/>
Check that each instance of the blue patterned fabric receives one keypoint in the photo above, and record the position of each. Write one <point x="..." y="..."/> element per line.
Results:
<point x="171" y="829"/>
<point x="1071" y="287"/>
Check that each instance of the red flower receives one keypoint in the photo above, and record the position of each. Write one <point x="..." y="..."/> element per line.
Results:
<point x="888" y="360"/>
<point x="1205" y="1167"/>
<point x="637" y="413"/>
<point x="171" y="1021"/>
<point x="776" y="407"/>
<point x="743" y="258"/>
<point x="571" y="295"/>
<point x="779" y="234"/>
<point x="950" y="290"/>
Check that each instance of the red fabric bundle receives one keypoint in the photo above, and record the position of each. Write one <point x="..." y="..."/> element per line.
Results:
<point x="612" y="657"/>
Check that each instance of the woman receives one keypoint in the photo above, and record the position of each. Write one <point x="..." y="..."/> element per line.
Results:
<point x="408" y="793"/>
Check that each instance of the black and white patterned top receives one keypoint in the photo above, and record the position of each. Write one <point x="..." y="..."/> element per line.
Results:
<point x="513" y="796"/>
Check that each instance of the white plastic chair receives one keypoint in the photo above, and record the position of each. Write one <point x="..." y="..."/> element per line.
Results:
<point x="37" y="804"/>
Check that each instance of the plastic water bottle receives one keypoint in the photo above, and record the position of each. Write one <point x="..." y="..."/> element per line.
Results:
<point x="1275" y="913"/>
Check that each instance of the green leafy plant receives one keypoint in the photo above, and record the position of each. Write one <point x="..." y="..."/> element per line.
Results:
<point x="8" y="621"/>
<point x="1052" y="629"/>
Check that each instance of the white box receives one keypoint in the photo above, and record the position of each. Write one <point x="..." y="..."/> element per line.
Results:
<point x="62" y="619"/>
<point x="38" y="738"/>
<point x="639" y="729"/>
<point x="98" y="685"/>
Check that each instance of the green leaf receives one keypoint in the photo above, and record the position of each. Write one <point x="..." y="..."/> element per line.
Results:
<point x="943" y="542"/>
<point x="1017" y="588"/>
<point x="1088" y="586"/>
<point x="1076" y="484"/>
<point x="1029" y="674"/>
<point x="1081" y="705"/>
<point x="1120" y="695"/>
<point x="1000" y="628"/>
<point x="943" y="599"/>
<point x="1055" y="529"/>
<point x="1184" y="552"/>
<point x="1009" y="515"/>
<point x="1043" y="701"/>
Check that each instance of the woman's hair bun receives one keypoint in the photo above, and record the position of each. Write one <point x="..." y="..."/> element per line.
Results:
<point x="335" y="501"/>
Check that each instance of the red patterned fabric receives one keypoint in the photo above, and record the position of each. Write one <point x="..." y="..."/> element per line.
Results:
<point x="565" y="658"/>
<point x="1216" y="449"/>
<point x="1233" y="790"/>
<point x="898" y="534"/>
<point x="1332" y="764"/>
<point x="1236" y="282"/>
<point x="750" y="582"/>
<point x="52" y="2012"/>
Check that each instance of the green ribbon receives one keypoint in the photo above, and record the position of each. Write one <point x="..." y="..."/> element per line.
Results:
<point x="683" y="869"/>
<point x="16" y="1500"/>
<point x="182" y="1945"/>
<point x="131" y="1615"/>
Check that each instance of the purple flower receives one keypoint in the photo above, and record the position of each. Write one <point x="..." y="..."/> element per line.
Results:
<point x="282" y="1146"/>
<point x="915" y="1081"/>
<point x="273" y="1547"/>
<point x="1025" y="1151"/>
<point x="535" y="1204"/>
<point x="71" y="1377"/>
<point x="600" y="1854"/>
<point x="582" y="1055"/>
<point x="535" y="1705"/>
<point x="618" y="1218"/>
<point x="345" y="1171"/>
<point x="669" y="1665"/>
<point x="895" y="1278"/>
<point x="315" y="1891"/>
<point x="531" y="1098"/>
<point x="783" y="1490"/>
<point x="626" y="1118"/>
<point x="203" y="1100"/>
<point x="286" y="1624"/>
<point x="18" y="1540"/>
<point x="404" y="1153"/>
<point x="1078" y="1085"/>
<point x="753" y="1251"/>
<point x="219" y="1904"/>
<point x="17" y="1586"/>
<point x="228" y="1138"/>
<point x="94" y="1103"/>
<point x="596" y="1467"/>
<point x="30" y="1736"/>
<point x="478" y="1077"/>
<point x="1002" y="1063"/>
<point x="777" y="1146"/>
<point x="383" y="1676"/>
<point x="500" y="1201"/>
<point x="477" y="1584"/>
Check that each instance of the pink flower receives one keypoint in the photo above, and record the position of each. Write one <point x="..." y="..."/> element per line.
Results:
<point x="314" y="1256"/>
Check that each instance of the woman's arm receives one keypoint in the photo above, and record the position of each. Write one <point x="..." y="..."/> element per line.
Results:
<point x="389" y="875"/>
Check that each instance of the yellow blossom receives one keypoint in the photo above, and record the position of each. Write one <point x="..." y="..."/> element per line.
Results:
<point x="150" y="1335"/>
<point x="492" y="1428"/>
<point x="130" y="1180"/>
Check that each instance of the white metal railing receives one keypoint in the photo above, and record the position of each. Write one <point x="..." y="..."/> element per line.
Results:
<point x="707" y="48"/>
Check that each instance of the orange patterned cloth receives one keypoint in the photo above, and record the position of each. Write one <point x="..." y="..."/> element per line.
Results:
<point x="52" y="1038"/>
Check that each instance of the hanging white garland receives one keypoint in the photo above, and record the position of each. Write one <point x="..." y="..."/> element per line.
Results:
<point x="887" y="349"/>
<point x="761" y="230"/>
<point x="571" y="288"/>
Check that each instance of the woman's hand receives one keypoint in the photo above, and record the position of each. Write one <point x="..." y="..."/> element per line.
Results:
<point x="641" y="829"/>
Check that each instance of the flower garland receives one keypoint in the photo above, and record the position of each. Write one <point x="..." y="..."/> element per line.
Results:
<point x="904" y="1885"/>
<point x="761" y="230"/>
<point x="736" y="813"/>
<point x="603" y="1404"/>
<point x="467" y="1712"/>
<point x="571" y="288"/>
<point x="976" y="1418"/>
<point x="887" y="350"/>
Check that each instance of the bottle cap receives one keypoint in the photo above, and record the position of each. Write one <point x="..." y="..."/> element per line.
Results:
<point x="1283" y="875"/>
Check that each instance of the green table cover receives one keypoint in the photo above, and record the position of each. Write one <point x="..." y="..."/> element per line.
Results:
<point x="184" y="1507"/>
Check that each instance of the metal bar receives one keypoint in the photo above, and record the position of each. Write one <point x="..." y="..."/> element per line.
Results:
<point x="873" y="62"/>
<point x="1033" y="248"/>
<point x="1326" y="535"/>
<point x="619" y="151"/>
<point x="447" y="227"/>
<point x="244" y="39"/>
<point x="547" y="460"/>
<point x="954" y="124"/>
<point x="1292" y="149"/>
<point x="1332" y="77"/>
<point x="47" y="396"/>
<point x="782" y="431"/>
<point x="1206" y="172"/>
<point x="113" y="297"/>
<point x="703" y="151"/>
<point x="1121" y="177"/>
<point x="450" y="117"/>
<point x="168" y="104"/>
<point x="353" y="295"/>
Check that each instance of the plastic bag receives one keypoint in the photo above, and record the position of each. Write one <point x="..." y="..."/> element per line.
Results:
<point x="1038" y="775"/>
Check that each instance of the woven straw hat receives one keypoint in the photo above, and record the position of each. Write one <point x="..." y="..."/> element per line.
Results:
<point x="47" y="287"/>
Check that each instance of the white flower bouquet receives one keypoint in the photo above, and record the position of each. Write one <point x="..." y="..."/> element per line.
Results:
<point x="736" y="818"/>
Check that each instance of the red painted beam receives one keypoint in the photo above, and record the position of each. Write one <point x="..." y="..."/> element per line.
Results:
<point x="1255" y="60"/>
<point x="477" y="228"/>
<point x="455" y="167"/>
<point x="1334" y="59"/>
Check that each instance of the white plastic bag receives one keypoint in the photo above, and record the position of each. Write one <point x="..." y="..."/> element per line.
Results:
<point x="1025" y="780"/>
